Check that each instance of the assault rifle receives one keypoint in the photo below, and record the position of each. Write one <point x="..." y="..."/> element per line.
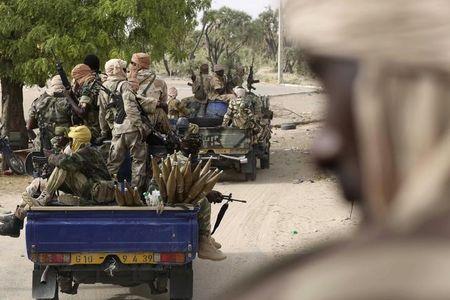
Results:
<point x="115" y="102"/>
<point x="72" y="99"/>
<point x="251" y="79"/>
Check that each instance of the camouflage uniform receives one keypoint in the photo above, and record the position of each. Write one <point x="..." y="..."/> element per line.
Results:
<point x="240" y="114"/>
<point x="217" y="89"/>
<point x="177" y="108"/>
<point x="89" y="98"/>
<point x="128" y="136"/>
<point x="153" y="91"/>
<point x="49" y="112"/>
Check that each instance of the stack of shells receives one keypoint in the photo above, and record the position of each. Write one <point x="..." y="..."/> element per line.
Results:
<point x="180" y="184"/>
<point x="125" y="195"/>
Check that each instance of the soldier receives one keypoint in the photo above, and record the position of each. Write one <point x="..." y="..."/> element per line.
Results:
<point x="87" y="109"/>
<point x="237" y="79"/>
<point x="151" y="91"/>
<point x="176" y="107"/>
<point x="93" y="62"/>
<point x="80" y="171"/>
<point x="129" y="134"/>
<point x="387" y="137"/>
<point x="218" y="85"/>
<point x="48" y="111"/>
<point x="196" y="105"/>
<point x="240" y="113"/>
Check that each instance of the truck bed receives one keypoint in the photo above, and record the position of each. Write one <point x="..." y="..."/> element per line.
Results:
<point x="111" y="230"/>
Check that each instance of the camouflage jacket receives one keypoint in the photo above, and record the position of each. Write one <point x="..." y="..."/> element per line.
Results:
<point x="240" y="113"/>
<point x="87" y="161"/>
<point x="177" y="109"/>
<point x="89" y="97"/>
<point x="201" y="87"/>
<point x="50" y="111"/>
<point x="152" y="91"/>
<point x="217" y="87"/>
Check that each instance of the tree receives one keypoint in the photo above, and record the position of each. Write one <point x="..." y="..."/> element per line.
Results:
<point x="226" y="31"/>
<point x="267" y="32"/>
<point x="31" y="30"/>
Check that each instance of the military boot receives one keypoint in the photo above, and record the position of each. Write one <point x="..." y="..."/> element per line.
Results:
<point x="215" y="244"/>
<point x="11" y="226"/>
<point x="206" y="250"/>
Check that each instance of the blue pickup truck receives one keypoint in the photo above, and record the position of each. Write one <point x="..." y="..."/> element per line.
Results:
<point x="126" y="246"/>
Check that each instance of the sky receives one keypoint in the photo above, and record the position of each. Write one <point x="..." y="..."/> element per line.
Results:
<point x="252" y="7"/>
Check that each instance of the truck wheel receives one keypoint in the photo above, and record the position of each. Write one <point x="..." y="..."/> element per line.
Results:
<point x="16" y="164"/>
<point x="265" y="162"/>
<point x="181" y="282"/>
<point x="55" y="297"/>
<point x="250" y="170"/>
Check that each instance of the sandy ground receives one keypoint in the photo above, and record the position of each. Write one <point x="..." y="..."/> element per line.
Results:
<point x="290" y="207"/>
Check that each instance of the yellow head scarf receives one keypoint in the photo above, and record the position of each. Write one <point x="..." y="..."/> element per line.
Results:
<point x="80" y="135"/>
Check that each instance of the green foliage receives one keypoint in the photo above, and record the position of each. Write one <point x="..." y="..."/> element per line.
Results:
<point x="31" y="30"/>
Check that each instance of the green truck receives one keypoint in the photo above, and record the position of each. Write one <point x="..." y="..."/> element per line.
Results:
<point x="240" y="149"/>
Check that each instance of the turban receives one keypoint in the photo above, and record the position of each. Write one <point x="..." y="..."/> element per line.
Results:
<point x="173" y="92"/>
<point x="114" y="68"/>
<point x="82" y="73"/>
<point x="56" y="85"/>
<point x="239" y="91"/>
<point x="80" y="135"/>
<point x="142" y="60"/>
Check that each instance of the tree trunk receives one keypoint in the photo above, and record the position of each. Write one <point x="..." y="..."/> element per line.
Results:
<point x="166" y="65"/>
<point x="12" y="113"/>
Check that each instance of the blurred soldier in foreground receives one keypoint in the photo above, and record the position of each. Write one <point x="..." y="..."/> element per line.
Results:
<point x="176" y="107"/>
<point x="387" y="137"/>
<point x="129" y="132"/>
<point x="80" y="171"/>
<point x="47" y="112"/>
<point x="151" y="91"/>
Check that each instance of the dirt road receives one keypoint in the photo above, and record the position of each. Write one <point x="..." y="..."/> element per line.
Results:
<point x="291" y="207"/>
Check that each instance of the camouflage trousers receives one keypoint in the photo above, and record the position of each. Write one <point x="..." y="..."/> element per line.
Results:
<point x="204" y="218"/>
<point x="120" y="145"/>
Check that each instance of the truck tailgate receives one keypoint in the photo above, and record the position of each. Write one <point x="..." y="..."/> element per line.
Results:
<point x="222" y="140"/>
<point x="109" y="230"/>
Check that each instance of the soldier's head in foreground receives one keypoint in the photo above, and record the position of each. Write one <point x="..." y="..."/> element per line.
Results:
<point x="219" y="70"/>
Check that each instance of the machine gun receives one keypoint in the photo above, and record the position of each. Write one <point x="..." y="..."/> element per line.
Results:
<point x="224" y="208"/>
<point x="250" y="79"/>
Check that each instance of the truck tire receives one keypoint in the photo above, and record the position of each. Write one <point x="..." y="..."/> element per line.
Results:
<point x="181" y="282"/>
<point x="250" y="170"/>
<point x="265" y="162"/>
<point x="16" y="164"/>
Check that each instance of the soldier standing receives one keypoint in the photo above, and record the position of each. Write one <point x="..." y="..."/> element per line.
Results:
<point x="87" y="109"/>
<point x="47" y="112"/>
<point x="151" y="91"/>
<point x="196" y="105"/>
<point x="128" y="134"/>
<point x="218" y="85"/>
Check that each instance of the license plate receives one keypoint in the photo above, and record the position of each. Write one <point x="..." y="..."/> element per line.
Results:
<point x="99" y="258"/>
